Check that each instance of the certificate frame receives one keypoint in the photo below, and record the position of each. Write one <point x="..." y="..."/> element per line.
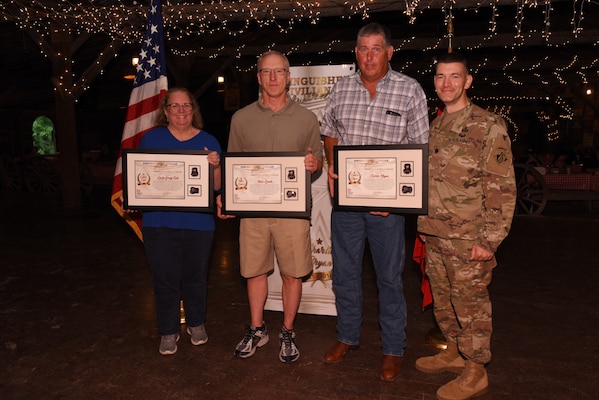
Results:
<point x="391" y="178"/>
<point x="261" y="184"/>
<point x="167" y="180"/>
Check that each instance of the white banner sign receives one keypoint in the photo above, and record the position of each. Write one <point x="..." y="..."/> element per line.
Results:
<point x="311" y="86"/>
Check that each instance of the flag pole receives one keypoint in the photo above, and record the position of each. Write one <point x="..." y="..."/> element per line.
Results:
<point x="149" y="86"/>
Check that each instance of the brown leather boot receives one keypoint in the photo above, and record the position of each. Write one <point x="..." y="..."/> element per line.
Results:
<point x="338" y="351"/>
<point x="391" y="368"/>
<point x="448" y="360"/>
<point x="473" y="382"/>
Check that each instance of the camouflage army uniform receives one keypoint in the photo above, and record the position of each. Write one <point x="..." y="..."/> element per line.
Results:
<point x="471" y="200"/>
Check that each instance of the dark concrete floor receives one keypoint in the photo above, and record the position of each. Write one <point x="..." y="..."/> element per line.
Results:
<point x="77" y="318"/>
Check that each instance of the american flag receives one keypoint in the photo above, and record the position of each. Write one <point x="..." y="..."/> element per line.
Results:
<point x="149" y="87"/>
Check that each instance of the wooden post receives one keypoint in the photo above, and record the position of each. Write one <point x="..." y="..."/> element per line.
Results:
<point x="66" y="130"/>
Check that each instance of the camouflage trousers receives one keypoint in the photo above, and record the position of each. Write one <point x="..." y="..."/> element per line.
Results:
<point x="461" y="301"/>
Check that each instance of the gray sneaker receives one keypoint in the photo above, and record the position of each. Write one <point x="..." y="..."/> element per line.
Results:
<point x="288" y="352"/>
<point x="254" y="337"/>
<point x="198" y="334"/>
<point x="168" y="344"/>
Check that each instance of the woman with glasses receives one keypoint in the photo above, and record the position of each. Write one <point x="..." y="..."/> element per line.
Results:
<point x="178" y="244"/>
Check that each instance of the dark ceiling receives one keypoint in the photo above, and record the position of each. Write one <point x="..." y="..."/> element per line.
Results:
<point x="543" y="51"/>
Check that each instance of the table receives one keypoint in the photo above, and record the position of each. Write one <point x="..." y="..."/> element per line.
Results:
<point x="535" y="188"/>
<point x="572" y="182"/>
<point x="573" y="187"/>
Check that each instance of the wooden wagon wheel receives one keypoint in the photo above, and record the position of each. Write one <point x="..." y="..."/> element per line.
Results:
<point x="40" y="175"/>
<point x="532" y="190"/>
<point x="10" y="175"/>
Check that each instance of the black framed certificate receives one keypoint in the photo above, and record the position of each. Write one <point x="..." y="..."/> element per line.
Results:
<point x="391" y="178"/>
<point x="167" y="180"/>
<point x="265" y="185"/>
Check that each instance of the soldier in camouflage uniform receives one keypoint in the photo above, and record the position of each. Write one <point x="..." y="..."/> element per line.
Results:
<point x="471" y="200"/>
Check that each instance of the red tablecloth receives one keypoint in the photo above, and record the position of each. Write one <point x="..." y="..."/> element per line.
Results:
<point x="572" y="182"/>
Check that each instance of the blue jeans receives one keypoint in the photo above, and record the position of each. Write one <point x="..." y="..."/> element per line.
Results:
<point x="179" y="260"/>
<point x="387" y="244"/>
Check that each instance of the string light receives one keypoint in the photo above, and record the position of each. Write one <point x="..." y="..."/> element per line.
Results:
<point x="123" y="22"/>
<point x="235" y="17"/>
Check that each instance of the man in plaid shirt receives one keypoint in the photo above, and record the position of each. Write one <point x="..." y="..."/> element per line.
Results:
<point x="375" y="106"/>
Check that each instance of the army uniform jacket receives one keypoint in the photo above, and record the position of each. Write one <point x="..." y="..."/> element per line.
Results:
<point x="472" y="189"/>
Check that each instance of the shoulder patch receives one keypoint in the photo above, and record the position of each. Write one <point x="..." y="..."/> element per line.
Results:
<point x="499" y="161"/>
<point x="500" y="158"/>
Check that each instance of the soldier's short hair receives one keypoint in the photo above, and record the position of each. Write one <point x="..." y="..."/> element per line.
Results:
<point x="452" y="57"/>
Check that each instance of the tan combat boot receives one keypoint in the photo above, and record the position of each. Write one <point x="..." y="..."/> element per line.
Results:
<point x="448" y="360"/>
<point x="473" y="382"/>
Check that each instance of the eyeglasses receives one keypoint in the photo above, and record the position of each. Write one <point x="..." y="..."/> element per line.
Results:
<point x="376" y="50"/>
<point x="268" y="71"/>
<point x="177" y="106"/>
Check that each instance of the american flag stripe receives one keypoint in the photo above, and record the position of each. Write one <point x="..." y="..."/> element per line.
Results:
<point x="149" y="87"/>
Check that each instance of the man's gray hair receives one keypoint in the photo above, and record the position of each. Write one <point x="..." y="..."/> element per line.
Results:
<point x="374" y="28"/>
<point x="270" y="53"/>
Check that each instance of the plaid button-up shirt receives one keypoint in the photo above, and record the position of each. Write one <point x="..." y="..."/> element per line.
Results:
<point x="398" y="114"/>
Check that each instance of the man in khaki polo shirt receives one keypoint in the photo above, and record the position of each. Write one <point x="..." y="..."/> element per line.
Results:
<point x="274" y="123"/>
